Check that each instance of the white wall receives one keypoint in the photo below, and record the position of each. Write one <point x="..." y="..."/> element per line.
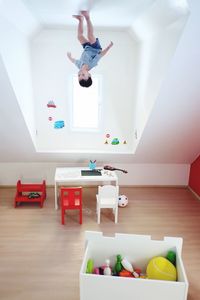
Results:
<point x="138" y="174"/>
<point x="17" y="14"/>
<point x="158" y="32"/>
<point x="52" y="73"/>
<point x="15" y="52"/>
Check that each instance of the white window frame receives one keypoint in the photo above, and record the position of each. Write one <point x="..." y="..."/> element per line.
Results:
<point x="86" y="129"/>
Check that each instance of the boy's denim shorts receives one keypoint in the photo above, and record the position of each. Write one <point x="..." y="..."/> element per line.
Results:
<point x="95" y="45"/>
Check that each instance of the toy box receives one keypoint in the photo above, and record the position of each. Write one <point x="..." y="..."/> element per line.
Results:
<point x="139" y="249"/>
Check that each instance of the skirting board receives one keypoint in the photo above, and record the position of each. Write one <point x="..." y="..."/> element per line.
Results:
<point x="193" y="192"/>
<point x="121" y="186"/>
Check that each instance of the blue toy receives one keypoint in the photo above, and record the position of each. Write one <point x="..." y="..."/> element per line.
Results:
<point x="92" y="165"/>
<point x="59" y="124"/>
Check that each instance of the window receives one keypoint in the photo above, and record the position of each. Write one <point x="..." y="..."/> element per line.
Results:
<point x="86" y="105"/>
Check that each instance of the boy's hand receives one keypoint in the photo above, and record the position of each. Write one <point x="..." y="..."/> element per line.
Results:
<point x="69" y="55"/>
<point x="103" y="52"/>
<point x="111" y="44"/>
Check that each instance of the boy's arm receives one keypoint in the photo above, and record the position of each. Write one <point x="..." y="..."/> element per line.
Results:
<point x="70" y="57"/>
<point x="103" y="52"/>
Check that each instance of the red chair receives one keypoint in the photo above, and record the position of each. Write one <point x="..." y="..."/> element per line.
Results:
<point x="71" y="198"/>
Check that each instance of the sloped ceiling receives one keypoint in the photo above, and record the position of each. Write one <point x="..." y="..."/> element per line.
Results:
<point x="106" y="13"/>
<point x="172" y="133"/>
<point x="15" y="139"/>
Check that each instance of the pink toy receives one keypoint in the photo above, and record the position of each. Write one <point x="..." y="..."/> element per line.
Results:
<point x="96" y="271"/>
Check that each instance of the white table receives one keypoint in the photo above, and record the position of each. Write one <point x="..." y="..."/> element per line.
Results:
<point x="73" y="175"/>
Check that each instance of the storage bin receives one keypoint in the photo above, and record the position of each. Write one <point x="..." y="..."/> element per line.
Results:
<point x="138" y="249"/>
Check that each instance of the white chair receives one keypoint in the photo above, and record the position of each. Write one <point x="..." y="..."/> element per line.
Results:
<point x="107" y="198"/>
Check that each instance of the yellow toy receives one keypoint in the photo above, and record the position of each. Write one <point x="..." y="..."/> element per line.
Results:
<point x="161" y="268"/>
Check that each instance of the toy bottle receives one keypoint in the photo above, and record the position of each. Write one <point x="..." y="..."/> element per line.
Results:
<point x="118" y="265"/>
<point x="90" y="266"/>
<point x="127" y="266"/>
<point x="107" y="269"/>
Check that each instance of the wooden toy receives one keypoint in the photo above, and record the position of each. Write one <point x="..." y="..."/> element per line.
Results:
<point x="101" y="270"/>
<point x="96" y="271"/>
<point x="171" y="256"/>
<point x="107" y="269"/>
<point x="127" y="266"/>
<point x="138" y="271"/>
<point x="90" y="266"/>
<point x="125" y="273"/>
<point x="118" y="265"/>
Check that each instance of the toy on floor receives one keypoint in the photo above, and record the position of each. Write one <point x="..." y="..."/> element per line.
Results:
<point x="161" y="268"/>
<point x="122" y="201"/>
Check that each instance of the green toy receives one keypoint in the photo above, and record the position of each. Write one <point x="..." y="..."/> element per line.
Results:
<point x="90" y="266"/>
<point x="118" y="265"/>
<point x="33" y="195"/>
<point x="171" y="256"/>
<point x="115" y="141"/>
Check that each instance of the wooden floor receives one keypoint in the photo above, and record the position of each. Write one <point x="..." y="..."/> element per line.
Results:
<point x="40" y="259"/>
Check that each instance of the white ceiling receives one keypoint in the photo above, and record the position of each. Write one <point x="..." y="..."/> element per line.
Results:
<point x="178" y="108"/>
<point x="104" y="13"/>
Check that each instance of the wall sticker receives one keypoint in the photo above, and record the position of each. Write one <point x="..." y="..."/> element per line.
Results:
<point x="51" y="104"/>
<point x="59" y="124"/>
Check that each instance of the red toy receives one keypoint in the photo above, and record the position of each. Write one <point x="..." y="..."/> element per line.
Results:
<point x="125" y="273"/>
<point x="25" y="188"/>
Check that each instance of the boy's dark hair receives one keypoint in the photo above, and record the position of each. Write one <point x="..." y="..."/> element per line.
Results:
<point x="86" y="83"/>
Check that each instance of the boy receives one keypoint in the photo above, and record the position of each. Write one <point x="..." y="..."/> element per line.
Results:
<point x="92" y="50"/>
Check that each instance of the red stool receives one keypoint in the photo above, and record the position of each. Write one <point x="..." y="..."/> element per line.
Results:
<point x="71" y="198"/>
<point x="24" y="188"/>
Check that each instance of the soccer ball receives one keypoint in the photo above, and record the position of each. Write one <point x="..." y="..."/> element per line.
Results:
<point x="122" y="200"/>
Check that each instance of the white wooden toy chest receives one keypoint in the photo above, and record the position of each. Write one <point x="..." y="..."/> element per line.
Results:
<point x="138" y="249"/>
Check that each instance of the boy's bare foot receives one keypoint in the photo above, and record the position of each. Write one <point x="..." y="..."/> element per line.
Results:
<point x="85" y="13"/>
<point x="78" y="17"/>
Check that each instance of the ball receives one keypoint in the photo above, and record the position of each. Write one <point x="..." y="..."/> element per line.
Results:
<point x="122" y="200"/>
<point x="161" y="268"/>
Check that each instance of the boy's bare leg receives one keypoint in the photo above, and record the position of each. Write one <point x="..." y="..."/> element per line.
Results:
<point x="90" y="29"/>
<point x="80" y="35"/>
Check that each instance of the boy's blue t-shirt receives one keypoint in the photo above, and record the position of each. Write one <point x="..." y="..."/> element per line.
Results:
<point x="90" y="57"/>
